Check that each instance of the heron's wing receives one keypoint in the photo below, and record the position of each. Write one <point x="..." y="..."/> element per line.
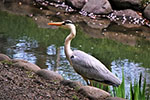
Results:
<point x="91" y="68"/>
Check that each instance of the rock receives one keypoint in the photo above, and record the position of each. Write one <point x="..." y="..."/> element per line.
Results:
<point x="93" y="93"/>
<point x="126" y="4"/>
<point x="97" y="24"/>
<point x="94" y="28"/>
<point x="23" y="1"/>
<point x="73" y="84"/>
<point x="1" y="64"/>
<point x="127" y="13"/>
<point x="56" y="1"/>
<point x="147" y="11"/>
<point x="49" y="75"/>
<point x="78" y="4"/>
<point x="115" y="98"/>
<point x="97" y="7"/>
<point x="25" y="64"/>
<point x="4" y="57"/>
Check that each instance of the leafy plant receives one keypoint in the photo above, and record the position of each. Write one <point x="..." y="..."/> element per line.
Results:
<point x="120" y="91"/>
<point x="75" y="97"/>
<point x="100" y="86"/>
<point x="137" y="92"/>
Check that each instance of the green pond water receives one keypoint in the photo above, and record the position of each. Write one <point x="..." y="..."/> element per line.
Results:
<point x="21" y="38"/>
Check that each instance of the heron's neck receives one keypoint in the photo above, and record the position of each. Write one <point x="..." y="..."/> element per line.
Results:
<point x="68" y="50"/>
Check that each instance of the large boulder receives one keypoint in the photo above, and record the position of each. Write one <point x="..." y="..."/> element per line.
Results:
<point x="56" y="1"/>
<point x="97" y="7"/>
<point x="126" y="4"/>
<point x="93" y="93"/>
<point x="147" y="11"/>
<point x="4" y="57"/>
<point x="49" y="75"/>
<point x="73" y="84"/>
<point x="16" y="1"/>
<point x="25" y="64"/>
<point x="77" y="4"/>
<point x="128" y="13"/>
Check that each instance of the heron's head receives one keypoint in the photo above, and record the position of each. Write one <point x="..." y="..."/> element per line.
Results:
<point x="65" y="24"/>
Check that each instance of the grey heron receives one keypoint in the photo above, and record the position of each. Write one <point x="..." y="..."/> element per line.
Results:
<point x="84" y="64"/>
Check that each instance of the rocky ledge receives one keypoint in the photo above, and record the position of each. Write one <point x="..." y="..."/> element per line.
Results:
<point x="93" y="8"/>
<point x="132" y="11"/>
<point x="107" y="6"/>
<point x="23" y="80"/>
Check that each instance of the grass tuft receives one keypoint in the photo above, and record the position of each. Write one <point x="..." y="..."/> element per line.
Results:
<point x="137" y="92"/>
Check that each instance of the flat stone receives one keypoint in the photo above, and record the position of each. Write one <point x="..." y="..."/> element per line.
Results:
<point x="25" y="64"/>
<point x="4" y="57"/>
<point x="147" y="11"/>
<point x="93" y="93"/>
<point x="57" y="1"/>
<point x="97" y="7"/>
<point x="78" y="4"/>
<point x="1" y="64"/>
<point x="126" y="4"/>
<point x="127" y="12"/>
<point x="73" y="84"/>
<point x="94" y="28"/>
<point x="49" y="75"/>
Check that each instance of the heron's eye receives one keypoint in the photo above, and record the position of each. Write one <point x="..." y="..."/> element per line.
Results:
<point x="72" y="57"/>
<point x="67" y="22"/>
<point x="63" y="23"/>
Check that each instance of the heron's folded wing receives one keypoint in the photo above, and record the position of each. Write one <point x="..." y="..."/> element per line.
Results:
<point x="88" y="66"/>
<point x="91" y="68"/>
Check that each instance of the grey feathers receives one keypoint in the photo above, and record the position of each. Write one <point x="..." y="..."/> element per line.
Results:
<point x="91" y="68"/>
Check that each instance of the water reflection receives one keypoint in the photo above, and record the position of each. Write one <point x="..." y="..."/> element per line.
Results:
<point x="22" y="49"/>
<point x="60" y="64"/>
<point x="51" y="50"/>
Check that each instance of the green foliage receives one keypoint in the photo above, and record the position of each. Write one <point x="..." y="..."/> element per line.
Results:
<point x="137" y="92"/>
<point x="77" y="88"/>
<point x="30" y="74"/>
<point x="100" y="86"/>
<point x="74" y="97"/>
<point x="6" y="62"/>
<point x="120" y="91"/>
<point x="144" y="2"/>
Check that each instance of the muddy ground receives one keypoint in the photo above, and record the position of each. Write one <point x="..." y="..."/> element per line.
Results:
<point x="17" y="83"/>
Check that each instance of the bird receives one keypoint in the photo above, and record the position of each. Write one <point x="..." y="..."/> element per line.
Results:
<point x="90" y="68"/>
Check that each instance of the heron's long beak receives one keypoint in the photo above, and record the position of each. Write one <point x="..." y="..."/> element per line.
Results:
<point x="56" y="23"/>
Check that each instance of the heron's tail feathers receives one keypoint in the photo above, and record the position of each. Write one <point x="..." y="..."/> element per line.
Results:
<point x="115" y="84"/>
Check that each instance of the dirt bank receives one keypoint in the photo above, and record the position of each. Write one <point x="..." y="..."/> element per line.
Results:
<point x="18" y="83"/>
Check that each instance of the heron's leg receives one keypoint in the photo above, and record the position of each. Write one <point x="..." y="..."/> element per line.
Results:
<point x="87" y="82"/>
<point x="91" y="84"/>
